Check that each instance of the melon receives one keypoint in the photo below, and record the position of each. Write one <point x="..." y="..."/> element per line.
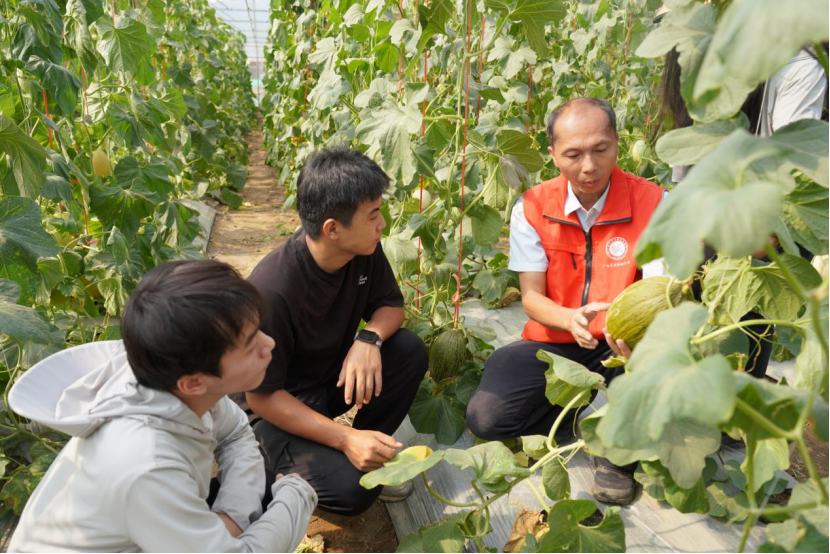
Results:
<point x="447" y="354"/>
<point x="636" y="307"/>
<point x="101" y="164"/>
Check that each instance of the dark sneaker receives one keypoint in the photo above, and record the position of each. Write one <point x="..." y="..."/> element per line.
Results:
<point x="613" y="485"/>
<point x="728" y="442"/>
<point x="396" y="493"/>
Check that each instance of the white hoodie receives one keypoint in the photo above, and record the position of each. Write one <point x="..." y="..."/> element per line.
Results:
<point x="136" y="474"/>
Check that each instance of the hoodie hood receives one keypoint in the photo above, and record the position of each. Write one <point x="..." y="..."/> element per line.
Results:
<point x="78" y="389"/>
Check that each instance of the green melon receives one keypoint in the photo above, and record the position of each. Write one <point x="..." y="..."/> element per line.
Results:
<point x="636" y="307"/>
<point x="447" y="354"/>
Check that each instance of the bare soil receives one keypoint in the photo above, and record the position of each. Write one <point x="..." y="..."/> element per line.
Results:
<point x="243" y="237"/>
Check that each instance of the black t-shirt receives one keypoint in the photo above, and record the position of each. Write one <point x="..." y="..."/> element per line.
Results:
<point x="313" y="315"/>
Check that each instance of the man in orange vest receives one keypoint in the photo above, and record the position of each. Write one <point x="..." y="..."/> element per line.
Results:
<point x="572" y="241"/>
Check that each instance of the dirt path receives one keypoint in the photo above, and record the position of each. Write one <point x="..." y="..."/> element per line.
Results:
<point x="241" y="238"/>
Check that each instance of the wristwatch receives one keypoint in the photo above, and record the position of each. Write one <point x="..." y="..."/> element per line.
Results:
<point x="366" y="335"/>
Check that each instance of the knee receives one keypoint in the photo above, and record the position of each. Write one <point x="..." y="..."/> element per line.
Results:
<point x="411" y="348"/>
<point x="482" y="417"/>
<point x="354" y="500"/>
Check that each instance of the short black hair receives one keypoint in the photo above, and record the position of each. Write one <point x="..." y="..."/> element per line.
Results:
<point x="599" y="103"/>
<point x="183" y="317"/>
<point x="333" y="183"/>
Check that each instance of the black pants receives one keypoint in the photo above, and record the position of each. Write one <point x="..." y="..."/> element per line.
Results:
<point x="510" y="400"/>
<point x="329" y="471"/>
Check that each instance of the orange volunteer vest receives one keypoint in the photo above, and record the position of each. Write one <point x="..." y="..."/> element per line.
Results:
<point x="594" y="266"/>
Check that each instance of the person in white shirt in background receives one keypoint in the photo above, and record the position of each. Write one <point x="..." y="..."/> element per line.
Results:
<point x="796" y="91"/>
<point x="148" y="416"/>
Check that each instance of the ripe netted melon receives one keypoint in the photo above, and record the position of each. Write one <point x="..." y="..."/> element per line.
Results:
<point x="447" y="354"/>
<point x="636" y="307"/>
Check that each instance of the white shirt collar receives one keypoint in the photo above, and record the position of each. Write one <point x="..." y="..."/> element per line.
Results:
<point x="572" y="203"/>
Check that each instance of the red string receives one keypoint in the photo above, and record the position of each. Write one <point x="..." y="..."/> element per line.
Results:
<point x="112" y="12"/>
<point x="457" y="296"/>
<point x="48" y="128"/>
<point x="480" y="68"/>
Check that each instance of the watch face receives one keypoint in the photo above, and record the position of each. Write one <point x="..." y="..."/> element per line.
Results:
<point x="368" y="336"/>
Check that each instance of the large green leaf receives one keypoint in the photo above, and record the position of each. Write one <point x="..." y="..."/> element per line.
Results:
<point x="737" y="286"/>
<point x="807" y="143"/>
<point x="153" y="175"/>
<point x="779" y="403"/>
<point x="567" y="534"/>
<point x="512" y="60"/>
<point x="658" y="483"/>
<point x="769" y="456"/>
<point x="689" y="145"/>
<point x="486" y="225"/>
<point x="755" y="38"/>
<point x="433" y="412"/>
<point x="406" y="465"/>
<point x="26" y="157"/>
<point x="714" y="204"/>
<point x="122" y="208"/>
<point x="665" y="383"/>
<point x="23" y="323"/>
<point x="520" y="146"/>
<point x="682" y="449"/>
<point x="805" y="219"/>
<point x="61" y="85"/>
<point x="567" y="379"/>
<point x="556" y="480"/>
<point x="433" y="20"/>
<point x="22" y="242"/>
<point x="125" y="46"/>
<point x="492" y="463"/>
<point x="445" y="536"/>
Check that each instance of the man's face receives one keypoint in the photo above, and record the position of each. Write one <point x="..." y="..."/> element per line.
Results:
<point x="243" y="366"/>
<point x="361" y="238"/>
<point x="585" y="150"/>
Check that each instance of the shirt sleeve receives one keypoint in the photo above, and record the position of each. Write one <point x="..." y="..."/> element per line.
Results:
<point x="165" y="513"/>
<point x="800" y="95"/>
<point x="656" y="268"/>
<point x="241" y="468"/>
<point x="276" y="324"/>
<point x="384" y="289"/>
<point x="526" y="251"/>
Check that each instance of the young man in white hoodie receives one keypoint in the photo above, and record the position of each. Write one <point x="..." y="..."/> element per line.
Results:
<point x="148" y="415"/>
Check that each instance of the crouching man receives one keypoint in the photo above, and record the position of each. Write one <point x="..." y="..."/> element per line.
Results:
<point x="572" y="241"/>
<point x="148" y="415"/>
<point x="317" y="287"/>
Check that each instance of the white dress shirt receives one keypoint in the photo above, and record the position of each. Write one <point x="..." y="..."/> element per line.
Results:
<point x="526" y="251"/>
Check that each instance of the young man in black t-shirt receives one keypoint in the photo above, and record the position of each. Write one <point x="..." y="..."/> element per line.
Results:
<point x="317" y="287"/>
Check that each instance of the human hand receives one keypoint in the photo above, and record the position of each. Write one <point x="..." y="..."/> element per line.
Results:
<point x="369" y="450"/>
<point x="361" y="374"/>
<point x="231" y="525"/>
<point x="581" y="319"/>
<point x="617" y="345"/>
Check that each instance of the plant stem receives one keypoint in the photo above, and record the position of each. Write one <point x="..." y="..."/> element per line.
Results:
<point x="793" y="281"/>
<point x="762" y="421"/>
<point x="539" y="496"/>
<point x="783" y="510"/>
<point x="561" y="417"/>
<point x="431" y="491"/>
<point x="741" y="324"/>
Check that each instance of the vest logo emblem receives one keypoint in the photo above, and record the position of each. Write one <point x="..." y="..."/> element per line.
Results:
<point x="362" y="280"/>
<point x="616" y="248"/>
